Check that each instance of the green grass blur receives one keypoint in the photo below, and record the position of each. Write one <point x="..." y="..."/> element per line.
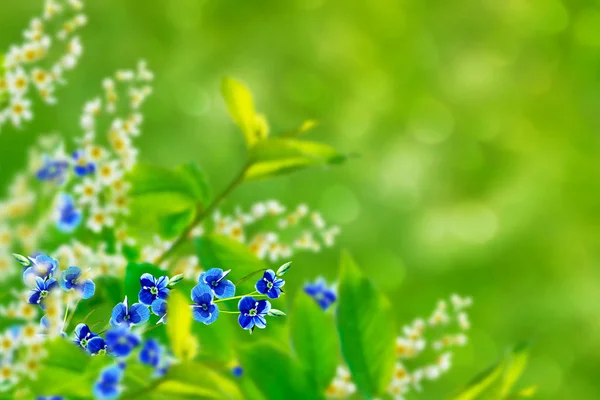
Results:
<point x="478" y="129"/>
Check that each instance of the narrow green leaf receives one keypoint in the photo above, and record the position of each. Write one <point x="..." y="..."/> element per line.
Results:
<point x="24" y="261"/>
<point x="366" y="330"/>
<point x="179" y="326"/>
<point x="482" y="383"/>
<point x="282" y="155"/>
<point x="517" y="361"/>
<point x="315" y="342"/>
<point x="241" y="108"/>
<point x="275" y="372"/>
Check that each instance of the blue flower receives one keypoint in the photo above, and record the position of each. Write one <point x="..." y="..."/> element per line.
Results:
<point x="71" y="279"/>
<point x="52" y="171"/>
<point x="159" y="307"/>
<point x="237" y="371"/>
<point x="68" y="217"/>
<point x="153" y="289"/>
<point x="151" y="353"/>
<point x="83" y="334"/>
<point x="204" y="310"/>
<point x="49" y="398"/>
<point x="82" y="167"/>
<point x="252" y="313"/>
<point x="323" y="295"/>
<point x="270" y="285"/>
<point x="42" y="266"/>
<point x="121" y="341"/>
<point x="97" y="345"/>
<point x="107" y="386"/>
<point x="42" y="290"/>
<point x="215" y="279"/>
<point x="122" y="314"/>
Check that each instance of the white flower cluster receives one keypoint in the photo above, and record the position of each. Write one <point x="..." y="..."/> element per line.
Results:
<point x="445" y="327"/>
<point x="103" y="194"/>
<point x="21" y="346"/>
<point x="21" y="67"/>
<point x="342" y="386"/>
<point x="412" y="345"/>
<point x="298" y="230"/>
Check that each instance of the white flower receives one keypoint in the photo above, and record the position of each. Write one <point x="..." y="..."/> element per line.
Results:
<point x="17" y="82"/>
<point x="109" y="172"/>
<point x="444" y="361"/>
<point x="143" y="73"/>
<point x="99" y="218"/>
<point x="75" y="48"/>
<point x="125" y="75"/>
<point x="463" y="321"/>
<point x="19" y="111"/>
<point x="460" y="303"/>
<point x="87" y="191"/>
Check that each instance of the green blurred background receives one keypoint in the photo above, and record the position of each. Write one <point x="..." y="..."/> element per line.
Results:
<point x="478" y="126"/>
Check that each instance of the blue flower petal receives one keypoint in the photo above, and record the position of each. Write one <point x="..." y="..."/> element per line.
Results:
<point x="263" y="307"/>
<point x="261" y="286"/>
<point x="159" y="307"/>
<point x="95" y="345"/>
<point x="118" y="314"/>
<point x="200" y="292"/>
<point x="34" y="297"/>
<point x="162" y="282"/>
<point x="145" y="297"/>
<point x="224" y="289"/>
<point x="245" y="321"/>
<point x="246" y="304"/>
<point x="88" y="288"/>
<point x="260" y="322"/>
<point x="138" y="313"/>
<point x="147" y="280"/>
<point x="211" y="275"/>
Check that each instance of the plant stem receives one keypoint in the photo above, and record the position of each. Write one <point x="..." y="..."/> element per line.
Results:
<point x="228" y="312"/>
<point x="239" y="297"/>
<point x="201" y="214"/>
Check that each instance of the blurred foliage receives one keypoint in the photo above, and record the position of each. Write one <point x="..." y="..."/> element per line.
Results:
<point x="477" y="124"/>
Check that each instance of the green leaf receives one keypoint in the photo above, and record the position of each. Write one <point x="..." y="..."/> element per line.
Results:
<point x="133" y="273"/>
<point x="73" y="369"/>
<point x="24" y="261"/>
<point x="188" y="373"/>
<point x="241" y="108"/>
<point x="366" y="330"/>
<point x="516" y="365"/>
<point x="498" y="380"/>
<point x="282" y="155"/>
<point x="284" y="376"/>
<point x="217" y="251"/>
<point x="314" y="339"/>
<point x="179" y="327"/>
<point x="481" y="383"/>
<point x="166" y="200"/>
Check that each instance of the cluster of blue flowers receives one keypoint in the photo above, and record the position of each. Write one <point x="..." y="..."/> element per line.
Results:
<point x="213" y="288"/>
<point x="56" y="170"/>
<point x="68" y="216"/>
<point x="323" y="294"/>
<point x="40" y="271"/>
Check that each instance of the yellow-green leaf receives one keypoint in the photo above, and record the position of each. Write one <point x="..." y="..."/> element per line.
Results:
<point x="482" y="383"/>
<point x="179" y="327"/>
<point x="241" y="108"/>
<point x="282" y="155"/>
<point x="517" y="363"/>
